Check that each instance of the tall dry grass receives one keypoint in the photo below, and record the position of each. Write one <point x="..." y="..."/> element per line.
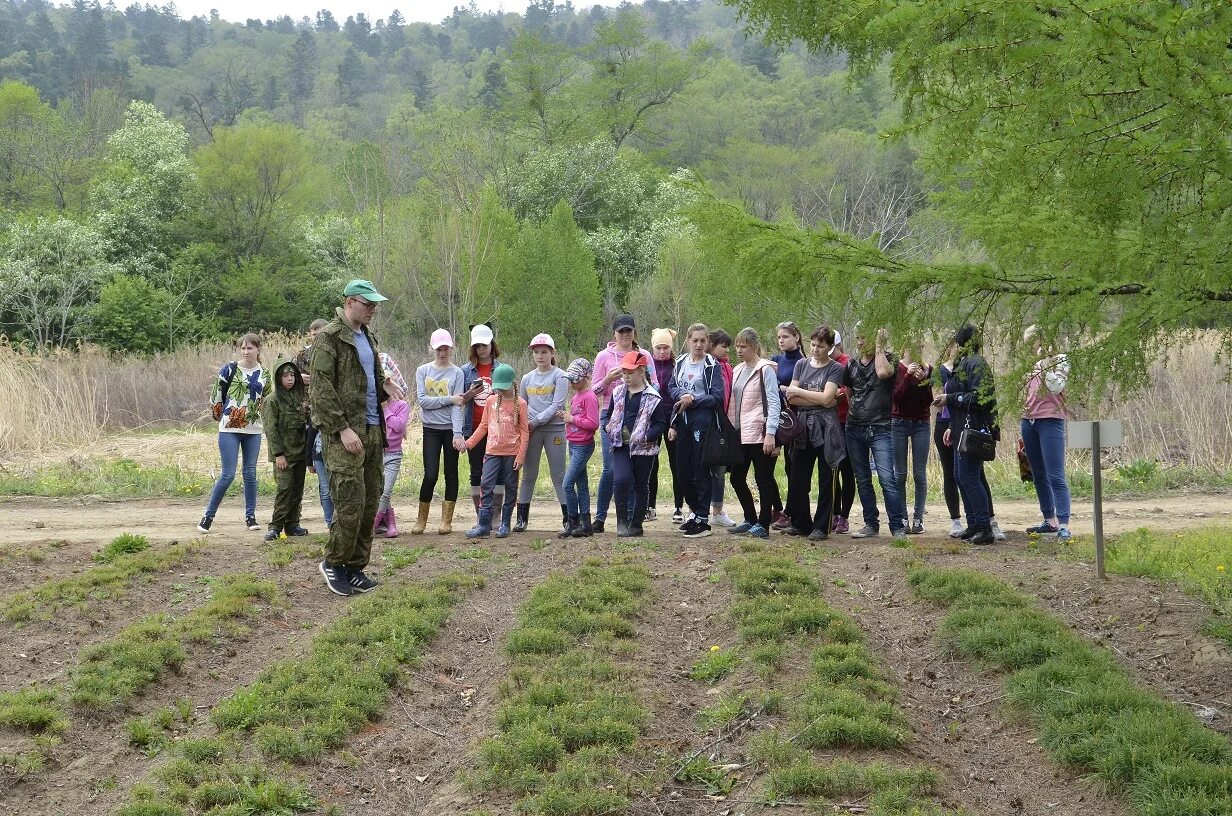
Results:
<point x="58" y="401"/>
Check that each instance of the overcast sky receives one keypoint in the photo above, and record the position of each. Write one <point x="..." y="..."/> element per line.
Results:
<point x="426" y="11"/>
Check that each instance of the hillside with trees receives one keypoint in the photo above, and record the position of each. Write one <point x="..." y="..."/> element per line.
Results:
<point x="165" y="180"/>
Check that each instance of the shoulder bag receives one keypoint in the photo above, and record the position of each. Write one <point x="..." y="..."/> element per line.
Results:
<point x="721" y="443"/>
<point x="976" y="444"/>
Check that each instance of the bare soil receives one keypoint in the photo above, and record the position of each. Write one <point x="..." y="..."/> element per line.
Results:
<point x="409" y="761"/>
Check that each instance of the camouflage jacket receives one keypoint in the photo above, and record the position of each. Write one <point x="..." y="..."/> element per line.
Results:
<point x="338" y="390"/>
<point x="284" y="419"/>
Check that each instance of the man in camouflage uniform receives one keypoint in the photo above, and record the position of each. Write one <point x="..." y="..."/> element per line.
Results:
<point x="344" y="393"/>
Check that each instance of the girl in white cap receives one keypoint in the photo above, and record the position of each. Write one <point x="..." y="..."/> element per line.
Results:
<point x="484" y="352"/>
<point x="441" y="391"/>
<point x="545" y="390"/>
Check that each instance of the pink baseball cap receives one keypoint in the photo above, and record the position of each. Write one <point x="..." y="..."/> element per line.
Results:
<point x="542" y="339"/>
<point x="440" y="337"/>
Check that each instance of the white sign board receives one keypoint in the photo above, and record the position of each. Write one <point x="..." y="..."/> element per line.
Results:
<point x="1078" y="434"/>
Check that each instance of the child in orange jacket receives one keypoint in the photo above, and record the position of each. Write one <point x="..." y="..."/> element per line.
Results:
<point x="507" y="431"/>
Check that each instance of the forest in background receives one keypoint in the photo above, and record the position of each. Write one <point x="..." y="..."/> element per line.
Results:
<point x="166" y="180"/>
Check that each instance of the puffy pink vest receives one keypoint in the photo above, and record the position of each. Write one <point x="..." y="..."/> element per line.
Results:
<point x="748" y="415"/>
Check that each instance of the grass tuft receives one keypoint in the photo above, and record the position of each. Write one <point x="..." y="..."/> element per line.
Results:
<point x="115" y="672"/>
<point x="103" y="581"/>
<point x="715" y="665"/>
<point x="1089" y="712"/>
<point x="565" y="714"/>
<point x="123" y="544"/>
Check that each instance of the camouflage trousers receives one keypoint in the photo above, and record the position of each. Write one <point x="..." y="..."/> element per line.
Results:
<point x="355" y="483"/>
<point x="289" y="499"/>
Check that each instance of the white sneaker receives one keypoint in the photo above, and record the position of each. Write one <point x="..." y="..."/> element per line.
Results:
<point x="997" y="535"/>
<point x="956" y="528"/>
<point x="722" y="520"/>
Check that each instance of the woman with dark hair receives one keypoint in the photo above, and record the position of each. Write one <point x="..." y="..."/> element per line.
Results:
<point x="814" y="392"/>
<point x="790" y="340"/>
<point x="606" y="376"/>
<point x="971" y="397"/>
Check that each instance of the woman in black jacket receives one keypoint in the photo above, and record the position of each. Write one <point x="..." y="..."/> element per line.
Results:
<point x="970" y="395"/>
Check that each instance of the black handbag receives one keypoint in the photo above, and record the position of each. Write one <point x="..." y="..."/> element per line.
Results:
<point x="976" y="444"/>
<point x="721" y="443"/>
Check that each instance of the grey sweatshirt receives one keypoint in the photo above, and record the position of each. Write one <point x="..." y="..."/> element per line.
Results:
<point x="435" y="389"/>
<point x="545" y="394"/>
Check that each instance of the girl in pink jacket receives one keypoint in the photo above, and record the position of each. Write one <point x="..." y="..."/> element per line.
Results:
<point x="580" y="433"/>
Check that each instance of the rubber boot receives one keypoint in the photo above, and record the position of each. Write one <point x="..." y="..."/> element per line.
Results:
<point x="391" y="528"/>
<point x="523" y="518"/>
<point x="483" y="527"/>
<point x="506" y="517"/>
<point x="572" y="525"/>
<point x="378" y="523"/>
<point x="584" y="530"/>
<point x="635" y="526"/>
<point x="477" y="500"/>
<point x="446" y="518"/>
<point x="422" y="520"/>
<point x="564" y="520"/>
<point x="622" y="522"/>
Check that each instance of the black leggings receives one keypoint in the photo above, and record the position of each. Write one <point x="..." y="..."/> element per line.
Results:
<point x="767" y="487"/>
<point x="435" y="442"/>
<point x="677" y="491"/>
<point x="844" y="488"/>
<point x="949" y="486"/>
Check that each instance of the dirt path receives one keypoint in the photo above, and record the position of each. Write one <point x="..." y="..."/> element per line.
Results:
<point x="38" y="521"/>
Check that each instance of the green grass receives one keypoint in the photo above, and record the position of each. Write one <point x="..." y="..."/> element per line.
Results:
<point x="297" y="709"/>
<point x="282" y="551"/>
<point x="1089" y="712"/>
<point x="843" y="700"/>
<point x="115" y="672"/>
<point x="566" y="715"/>
<point x="397" y="558"/>
<point x="97" y="583"/>
<point x="715" y="665"/>
<point x="1199" y="560"/>
<point x="123" y="544"/>
<point x="37" y="713"/>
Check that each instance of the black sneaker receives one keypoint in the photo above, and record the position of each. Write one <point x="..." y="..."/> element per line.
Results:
<point x="336" y="579"/>
<point x="296" y="531"/>
<point x="204" y="526"/>
<point x="596" y="526"/>
<point x="701" y="529"/>
<point x="361" y="582"/>
<point x="272" y="535"/>
<point x="251" y="523"/>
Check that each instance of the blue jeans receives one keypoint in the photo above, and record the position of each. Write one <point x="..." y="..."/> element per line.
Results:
<point x="1044" y="441"/>
<point x="969" y="473"/>
<point x="913" y="434"/>
<point x="577" y="488"/>
<point x="327" y="502"/>
<point x="604" y="496"/>
<point x="229" y="447"/>
<point x="861" y="439"/>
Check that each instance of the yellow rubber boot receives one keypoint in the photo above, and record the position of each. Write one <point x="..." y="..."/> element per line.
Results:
<point x="422" y="521"/>
<point x="446" y="518"/>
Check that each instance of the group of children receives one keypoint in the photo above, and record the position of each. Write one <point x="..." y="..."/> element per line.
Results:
<point x="507" y="427"/>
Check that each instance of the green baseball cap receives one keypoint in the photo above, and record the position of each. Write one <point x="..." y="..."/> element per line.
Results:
<point x="363" y="289"/>
<point x="502" y="377"/>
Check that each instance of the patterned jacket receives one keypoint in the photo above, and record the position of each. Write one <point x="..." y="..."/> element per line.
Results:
<point x="338" y="391"/>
